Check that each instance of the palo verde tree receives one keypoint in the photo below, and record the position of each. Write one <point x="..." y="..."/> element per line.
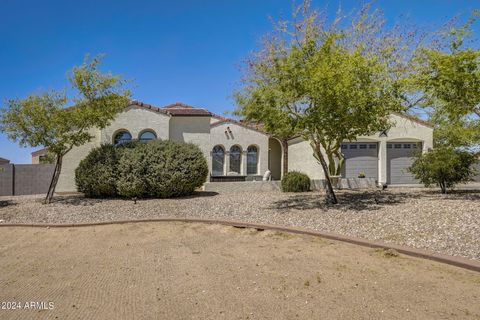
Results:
<point x="448" y="75"/>
<point x="326" y="83"/>
<point x="44" y="119"/>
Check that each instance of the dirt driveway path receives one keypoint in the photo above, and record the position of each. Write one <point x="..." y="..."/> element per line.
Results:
<point x="196" y="271"/>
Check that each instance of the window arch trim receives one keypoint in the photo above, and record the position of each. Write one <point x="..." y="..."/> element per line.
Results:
<point x="147" y="131"/>
<point x="218" y="160"/>
<point x="235" y="157"/>
<point x="252" y="159"/>
<point x="122" y="140"/>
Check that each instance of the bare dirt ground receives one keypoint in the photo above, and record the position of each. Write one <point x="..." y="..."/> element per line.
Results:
<point x="196" y="271"/>
<point x="421" y="218"/>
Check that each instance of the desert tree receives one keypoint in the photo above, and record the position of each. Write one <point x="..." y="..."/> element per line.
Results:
<point x="327" y="82"/>
<point x="448" y="76"/>
<point x="444" y="166"/>
<point x="54" y="121"/>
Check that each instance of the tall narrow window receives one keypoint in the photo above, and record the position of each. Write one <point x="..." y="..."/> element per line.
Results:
<point x="235" y="159"/>
<point x="252" y="160"/>
<point x="121" y="137"/>
<point x="218" y="159"/>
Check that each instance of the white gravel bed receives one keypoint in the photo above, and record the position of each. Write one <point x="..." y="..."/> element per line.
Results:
<point x="421" y="218"/>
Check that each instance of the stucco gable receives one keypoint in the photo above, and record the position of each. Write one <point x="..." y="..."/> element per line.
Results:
<point x="413" y="119"/>
<point x="230" y="122"/>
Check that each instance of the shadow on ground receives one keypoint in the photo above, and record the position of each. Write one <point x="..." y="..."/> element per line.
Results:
<point x="198" y="194"/>
<point x="366" y="200"/>
<point x="6" y="203"/>
<point x="81" y="200"/>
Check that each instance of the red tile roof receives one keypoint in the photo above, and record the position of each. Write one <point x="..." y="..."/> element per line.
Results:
<point x="177" y="109"/>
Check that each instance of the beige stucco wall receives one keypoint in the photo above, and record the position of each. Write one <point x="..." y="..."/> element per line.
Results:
<point x="136" y="119"/>
<point x="215" y="120"/>
<point x="66" y="181"/>
<point x="192" y="129"/>
<point x="300" y="155"/>
<point x="243" y="137"/>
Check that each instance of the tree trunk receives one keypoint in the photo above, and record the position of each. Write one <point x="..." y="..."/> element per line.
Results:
<point x="341" y="161"/>
<point x="54" y="181"/>
<point x="285" y="157"/>
<point x="443" y="187"/>
<point x="331" y="198"/>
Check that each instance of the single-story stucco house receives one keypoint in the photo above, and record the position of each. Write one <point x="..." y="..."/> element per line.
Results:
<point x="236" y="147"/>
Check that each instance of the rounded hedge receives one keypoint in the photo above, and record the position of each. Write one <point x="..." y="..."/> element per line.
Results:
<point x="96" y="175"/>
<point x="295" y="181"/>
<point x="142" y="169"/>
<point x="161" y="169"/>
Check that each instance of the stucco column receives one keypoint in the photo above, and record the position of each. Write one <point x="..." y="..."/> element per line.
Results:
<point x="382" y="161"/>
<point x="226" y="169"/>
<point x="244" y="163"/>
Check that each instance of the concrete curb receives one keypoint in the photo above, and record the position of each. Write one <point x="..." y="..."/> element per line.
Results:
<point x="413" y="252"/>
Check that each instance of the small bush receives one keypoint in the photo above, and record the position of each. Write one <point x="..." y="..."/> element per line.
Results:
<point x="161" y="169"/>
<point x="96" y="175"/>
<point x="295" y="182"/>
<point x="444" y="167"/>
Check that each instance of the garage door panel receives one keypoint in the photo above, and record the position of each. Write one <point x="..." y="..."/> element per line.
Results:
<point x="360" y="157"/>
<point x="399" y="159"/>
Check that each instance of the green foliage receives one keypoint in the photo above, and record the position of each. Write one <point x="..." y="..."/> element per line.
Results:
<point x="444" y="167"/>
<point x="157" y="168"/>
<point x="97" y="174"/>
<point x="328" y="84"/>
<point x="295" y="181"/>
<point x="44" y="120"/>
<point x="448" y="76"/>
<point x="161" y="169"/>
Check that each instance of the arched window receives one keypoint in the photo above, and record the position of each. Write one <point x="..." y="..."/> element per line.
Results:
<point x="218" y="159"/>
<point x="121" y="137"/>
<point x="252" y="160"/>
<point x="235" y="159"/>
<point x="147" y="135"/>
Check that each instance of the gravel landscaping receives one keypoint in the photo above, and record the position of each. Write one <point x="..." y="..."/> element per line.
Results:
<point x="420" y="218"/>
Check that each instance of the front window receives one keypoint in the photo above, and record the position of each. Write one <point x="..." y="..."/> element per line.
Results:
<point x="147" y="135"/>
<point x="235" y="159"/>
<point x="121" y="137"/>
<point x="252" y="160"/>
<point x="218" y="159"/>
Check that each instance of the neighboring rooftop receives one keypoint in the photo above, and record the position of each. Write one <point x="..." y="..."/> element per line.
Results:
<point x="4" y="161"/>
<point x="39" y="152"/>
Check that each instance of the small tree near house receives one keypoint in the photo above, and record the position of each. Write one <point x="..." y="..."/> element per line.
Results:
<point x="325" y="83"/>
<point x="44" y="120"/>
<point x="444" y="166"/>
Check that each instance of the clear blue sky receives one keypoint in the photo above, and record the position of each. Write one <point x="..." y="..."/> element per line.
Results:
<point x="181" y="50"/>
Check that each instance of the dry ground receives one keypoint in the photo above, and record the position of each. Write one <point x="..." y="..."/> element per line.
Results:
<point x="421" y="218"/>
<point x="196" y="271"/>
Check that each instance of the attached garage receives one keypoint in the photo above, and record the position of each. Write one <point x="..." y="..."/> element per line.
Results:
<point x="399" y="159"/>
<point x="360" y="158"/>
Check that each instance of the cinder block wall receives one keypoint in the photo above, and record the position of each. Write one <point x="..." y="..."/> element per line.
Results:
<point x="23" y="179"/>
<point x="6" y="179"/>
<point x="33" y="178"/>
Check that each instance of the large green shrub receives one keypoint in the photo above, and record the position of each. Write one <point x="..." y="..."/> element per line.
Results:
<point x="444" y="167"/>
<point x="295" y="181"/>
<point x="96" y="175"/>
<point x="161" y="169"/>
